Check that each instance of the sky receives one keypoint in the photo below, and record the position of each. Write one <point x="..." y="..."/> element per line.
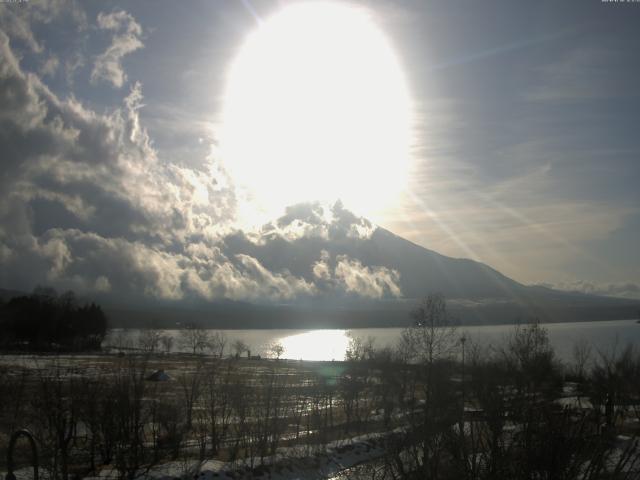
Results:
<point x="524" y="151"/>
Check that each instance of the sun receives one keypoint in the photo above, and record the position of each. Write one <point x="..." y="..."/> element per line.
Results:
<point x="316" y="108"/>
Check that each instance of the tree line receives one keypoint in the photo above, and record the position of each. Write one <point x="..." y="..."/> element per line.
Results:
<point x="434" y="406"/>
<point x="45" y="321"/>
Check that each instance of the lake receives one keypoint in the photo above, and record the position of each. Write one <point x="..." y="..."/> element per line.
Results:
<point x="332" y="344"/>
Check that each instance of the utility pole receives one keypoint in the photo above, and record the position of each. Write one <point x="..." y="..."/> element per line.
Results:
<point x="463" y="341"/>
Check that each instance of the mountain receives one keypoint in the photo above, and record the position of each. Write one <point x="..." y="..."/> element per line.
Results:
<point x="319" y="266"/>
<point x="364" y="275"/>
<point x="420" y="270"/>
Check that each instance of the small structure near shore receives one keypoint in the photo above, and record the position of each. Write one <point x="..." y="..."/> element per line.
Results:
<point x="159" y="376"/>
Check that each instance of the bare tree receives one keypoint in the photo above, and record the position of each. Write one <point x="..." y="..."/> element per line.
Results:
<point x="528" y="344"/>
<point x="56" y="407"/>
<point x="190" y="383"/>
<point x="530" y="360"/>
<point x="167" y="343"/>
<point x="168" y="423"/>
<point x="217" y="344"/>
<point x="122" y="340"/>
<point x="90" y="393"/>
<point x="239" y="347"/>
<point x="195" y="338"/>
<point x="432" y="403"/>
<point x="433" y="335"/>
<point x="125" y="417"/>
<point x="611" y="380"/>
<point x="13" y="391"/>
<point x="149" y="340"/>
<point x="581" y="353"/>
<point x="276" y="350"/>
<point x="217" y="402"/>
<point x="360" y="349"/>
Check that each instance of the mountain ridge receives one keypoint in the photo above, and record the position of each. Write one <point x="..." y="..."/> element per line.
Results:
<point x="365" y="276"/>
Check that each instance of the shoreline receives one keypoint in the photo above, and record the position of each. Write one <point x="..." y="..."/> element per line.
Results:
<point x="371" y="327"/>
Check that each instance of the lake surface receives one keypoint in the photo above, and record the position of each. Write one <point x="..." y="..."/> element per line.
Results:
<point x="332" y="344"/>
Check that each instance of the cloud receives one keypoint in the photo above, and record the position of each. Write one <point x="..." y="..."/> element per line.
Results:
<point x="50" y="66"/>
<point x="579" y="74"/>
<point x="99" y="169"/>
<point x="102" y="284"/>
<point x="57" y="153"/>
<point x="614" y="289"/>
<point x="317" y="220"/>
<point x="125" y="40"/>
<point x="255" y="281"/>
<point x="73" y="178"/>
<point x="18" y="20"/>
<point x="87" y="205"/>
<point x="372" y="282"/>
<point x="208" y="273"/>
<point x="16" y="24"/>
<point x="351" y="276"/>
<point x="86" y="262"/>
<point x="531" y="202"/>
<point x="321" y="268"/>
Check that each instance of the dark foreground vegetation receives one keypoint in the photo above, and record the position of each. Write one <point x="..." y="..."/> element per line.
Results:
<point x="46" y="321"/>
<point x="435" y="407"/>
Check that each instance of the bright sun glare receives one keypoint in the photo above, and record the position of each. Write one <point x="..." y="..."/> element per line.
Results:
<point x="316" y="345"/>
<point x="316" y="108"/>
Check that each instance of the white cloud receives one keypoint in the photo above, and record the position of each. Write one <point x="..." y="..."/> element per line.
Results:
<point x="88" y="205"/>
<point x="135" y="225"/>
<point x="102" y="284"/>
<point x="613" y="289"/>
<point x="321" y="269"/>
<point x="372" y="282"/>
<point x="317" y="220"/>
<point x="50" y="66"/>
<point x="580" y="74"/>
<point x="18" y="27"/>
<point x="258" y="282"/>
<point x="17" y="20"/>
<point x="125" y="40"/>
<point x="5" y="253"/>
<point x="351" y="276"/>
<point x="71" y="65"/>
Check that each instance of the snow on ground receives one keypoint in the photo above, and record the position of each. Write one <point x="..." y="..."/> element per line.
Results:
<point x="290" y="463"/>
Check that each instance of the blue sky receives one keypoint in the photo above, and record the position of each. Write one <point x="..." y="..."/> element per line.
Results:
<point x="526" y="155"/>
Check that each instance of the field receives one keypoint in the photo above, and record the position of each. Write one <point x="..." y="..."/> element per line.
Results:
<point x="385" y="413"/>
<point x="242" y="413"/>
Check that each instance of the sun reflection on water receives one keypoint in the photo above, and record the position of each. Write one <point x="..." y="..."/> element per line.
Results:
<point x="316" y="345"/>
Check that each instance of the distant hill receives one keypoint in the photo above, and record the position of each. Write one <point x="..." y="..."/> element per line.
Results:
<point x="476" y="293"/>
<point x="421" y="270"/>
<point x="6" y="295"/>
<point x="241" y="316"/>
